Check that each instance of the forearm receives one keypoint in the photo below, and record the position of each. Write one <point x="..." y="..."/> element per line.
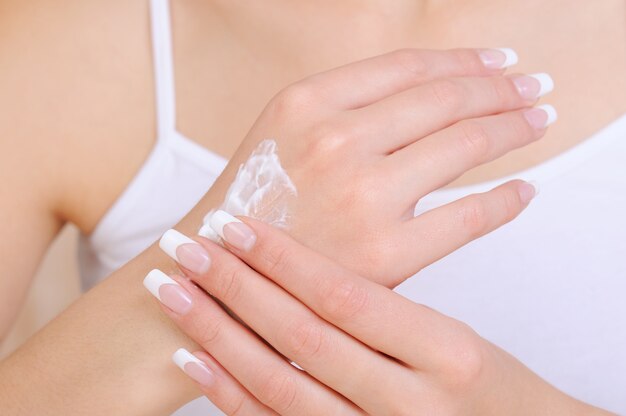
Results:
<point x="108" y="353"/>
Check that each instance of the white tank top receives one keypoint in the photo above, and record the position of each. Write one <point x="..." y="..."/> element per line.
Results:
<point x="550" y="287"/>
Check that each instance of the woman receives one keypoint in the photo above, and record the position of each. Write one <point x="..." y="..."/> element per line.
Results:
<point x="115" y="49"/>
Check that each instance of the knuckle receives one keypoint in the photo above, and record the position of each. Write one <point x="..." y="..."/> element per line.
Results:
<point x="410" y="60"/>
<point x="305" y="339"/>
<point x="208" y="331"/>
<point x="448" y="94"/>
<point x="465" y="361"/>
<point x="295" y="98"/>
<point x="278" y="391"/>
<point x="327" y="140"/>
<point x="228" y="284"/>
<point x="474" y="217"/>
<point x="345" y="299"/>
<point x="277" y="258"/>
<point x="474" y="140"/>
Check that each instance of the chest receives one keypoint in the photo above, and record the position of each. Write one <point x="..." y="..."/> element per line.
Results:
<point x="227" y="69"/>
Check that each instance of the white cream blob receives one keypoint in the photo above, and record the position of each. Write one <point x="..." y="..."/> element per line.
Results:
<point x="261" y="190"/>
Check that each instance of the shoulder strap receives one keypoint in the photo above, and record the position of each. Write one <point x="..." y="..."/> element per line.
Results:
<point x="163" y="68"/>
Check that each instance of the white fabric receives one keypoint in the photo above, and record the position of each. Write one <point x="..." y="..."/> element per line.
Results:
<point x="549" y="287"/>
<point x="172" y="180"/>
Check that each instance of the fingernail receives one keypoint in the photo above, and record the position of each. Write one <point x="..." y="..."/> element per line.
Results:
<point x="541" y="116"/>
<point x="527" y="191"/>
<point x="185" y="251"/>
<point x="531" y="87"/>
<point x="233" y="231"/>
<point x="168" y="292"/>
<point x="498" y="58"/>
<point x="193" y="367"/>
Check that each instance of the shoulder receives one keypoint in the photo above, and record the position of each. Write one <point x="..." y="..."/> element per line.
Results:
<point x="76" y="99"/>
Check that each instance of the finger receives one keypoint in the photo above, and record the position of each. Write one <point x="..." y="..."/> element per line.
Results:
<point x="438" y="159"/>
<point x="266" y="375"/>
<point x="438" y="232"/>
<point x="361" y="83"/>
<point x="321" y="349"/>
<point x="218" y="385"/>
<point x="401" y="119"/>
<point x="366" y="310"/>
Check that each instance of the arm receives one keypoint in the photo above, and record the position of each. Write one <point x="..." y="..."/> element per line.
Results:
<point x="50" y="129"/>
<point x="58" y="95"/>
<point x="28" y="225"/>
<point x="109" y="352"/>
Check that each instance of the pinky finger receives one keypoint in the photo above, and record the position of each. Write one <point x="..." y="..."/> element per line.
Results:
<point x="218" y="385"/>
<point x="438" y="232"/>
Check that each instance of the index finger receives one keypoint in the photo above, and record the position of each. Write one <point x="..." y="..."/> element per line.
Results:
<point x="372" y="313"/>
<point x="367" y="81"/>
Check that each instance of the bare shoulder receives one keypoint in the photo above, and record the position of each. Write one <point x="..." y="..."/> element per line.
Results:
<point x="76" y="101"/>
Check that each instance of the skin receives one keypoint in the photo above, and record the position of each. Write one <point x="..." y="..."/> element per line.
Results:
<point x="365" y="348"/>
<point x="81" y="170"/>
<point x="213" y="101"/>
<point x="583" y="50"/>
<point x="134" y="368"/>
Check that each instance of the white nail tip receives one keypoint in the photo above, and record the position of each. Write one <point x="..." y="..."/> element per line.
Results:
<point x="182" y="357"/>
<point x="536" y="186"/>
<point x="511" y="57"/>
<point x="551" y="111"/>
<point x="155" y="279"/>
<point x="207" y="232"/>
<point x="171" y="240"/>
<point x="219" y="219"/>
<point x="546" y="82"/>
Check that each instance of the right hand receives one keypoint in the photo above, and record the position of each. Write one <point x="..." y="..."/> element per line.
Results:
<point x="364" y="142"/>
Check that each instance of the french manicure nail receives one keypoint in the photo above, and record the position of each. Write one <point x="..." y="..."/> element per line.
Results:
<point x="498" y="58"/>
<point x="535" y="185"/>
<point x="168" y="292"/>
<point x="193" y="367"/>
<point x="233" y="230"/>
<point x="185" y="251"/>
<point x="541" y="116"/>
<point x="527" y="191"/>
<point x="531" y="87"/>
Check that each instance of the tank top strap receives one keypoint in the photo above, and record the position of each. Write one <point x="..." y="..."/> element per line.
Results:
<point x="163" y="68"/>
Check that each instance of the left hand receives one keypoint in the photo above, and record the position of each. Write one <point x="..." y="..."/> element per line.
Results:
<point x="363" y="347"/>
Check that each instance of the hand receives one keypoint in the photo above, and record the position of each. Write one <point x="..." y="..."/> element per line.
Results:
<point x="364" y="142"/>
<point x="363" y="347"/>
